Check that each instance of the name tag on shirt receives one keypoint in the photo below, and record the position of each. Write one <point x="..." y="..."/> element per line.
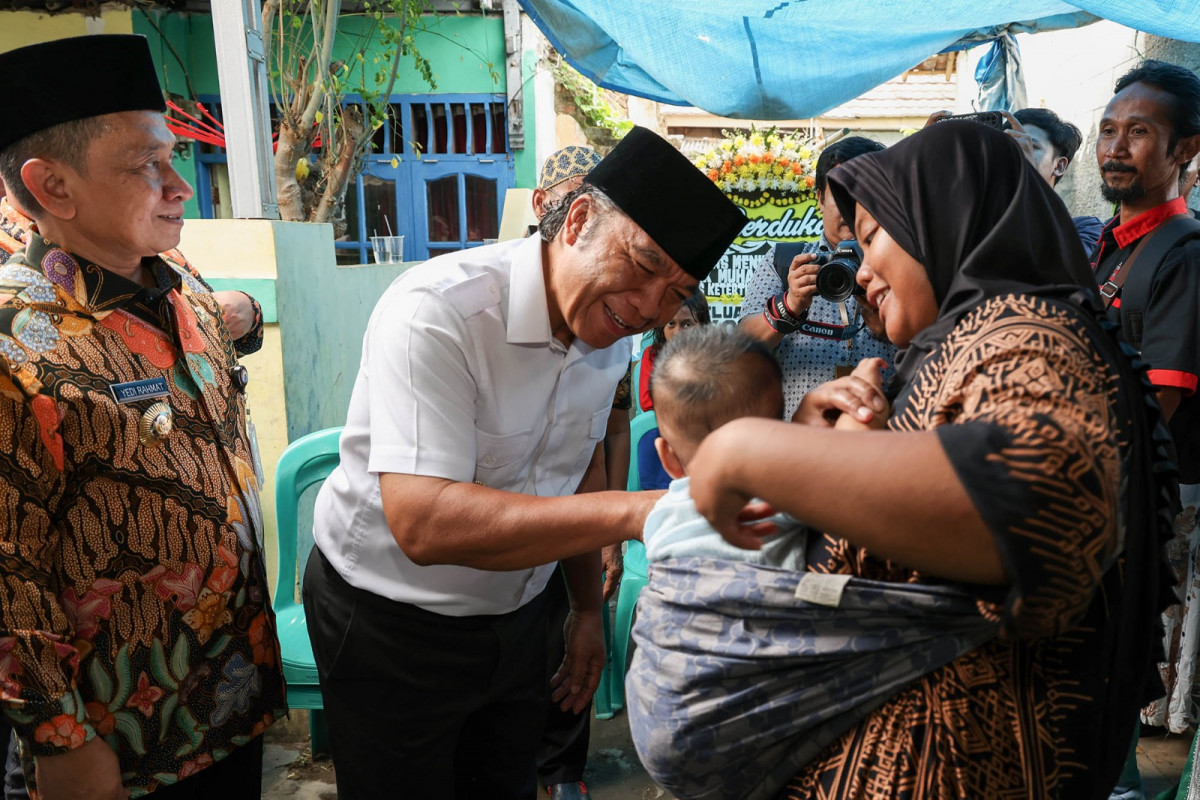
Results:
<point x="821" y="589"/>
<point x="131" y="392"/>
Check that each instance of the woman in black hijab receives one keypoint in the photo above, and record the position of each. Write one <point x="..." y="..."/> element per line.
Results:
<point x="1022" y="462"/>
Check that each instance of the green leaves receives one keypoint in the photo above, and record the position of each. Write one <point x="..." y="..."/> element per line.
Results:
<point x="101" y="683"/>
<point x="218" y="645"/>
<point x="124" y="678"/>
<point x="179" y="657"/>
<point x="194" y="731"/>
<point x="158" y="665"/>
<point x="128" y="726"/>
<point x="168" y="709"/>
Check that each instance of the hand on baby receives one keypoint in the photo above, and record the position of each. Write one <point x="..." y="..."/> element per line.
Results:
<point x="871" y="372"/>
<point x="855" y="402"/>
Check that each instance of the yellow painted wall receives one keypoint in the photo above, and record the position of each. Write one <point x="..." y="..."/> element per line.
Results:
<point x="19" y="28"/>
<point x="251" y="249"/>
<point x="232" y="248"/>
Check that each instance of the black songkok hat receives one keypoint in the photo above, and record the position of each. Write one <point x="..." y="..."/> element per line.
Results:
<point x="673" y="201"/>
<point x="76" y="78"/>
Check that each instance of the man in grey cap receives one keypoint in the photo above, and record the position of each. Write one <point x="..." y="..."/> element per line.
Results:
<point x="137" y="643"/>
<point x="562" y="173"/>
<point x="471" y="464"/>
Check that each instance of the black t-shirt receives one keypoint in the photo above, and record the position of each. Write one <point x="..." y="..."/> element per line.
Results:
<point x="1171" y="337"/>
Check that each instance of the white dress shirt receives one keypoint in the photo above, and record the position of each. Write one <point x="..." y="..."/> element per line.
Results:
<point x="462" y="379"/>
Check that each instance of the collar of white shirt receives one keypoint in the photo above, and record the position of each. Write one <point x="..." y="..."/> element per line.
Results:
<point x="528" y="305"/>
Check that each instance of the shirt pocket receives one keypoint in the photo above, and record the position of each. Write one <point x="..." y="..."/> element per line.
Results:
<point x="497" y="454"/>
<point x="599" y="424"/>
<point x="597" y="427"/>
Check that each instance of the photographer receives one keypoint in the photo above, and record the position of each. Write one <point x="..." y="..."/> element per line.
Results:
<point x="774" y="312"/>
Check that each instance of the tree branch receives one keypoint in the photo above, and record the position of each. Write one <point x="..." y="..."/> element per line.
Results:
<point x="321" y="71"/>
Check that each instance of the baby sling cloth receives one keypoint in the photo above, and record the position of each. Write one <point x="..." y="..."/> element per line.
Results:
<point x="744" y="673"/>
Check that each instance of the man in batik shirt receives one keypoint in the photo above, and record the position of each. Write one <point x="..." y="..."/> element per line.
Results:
<point x="137" y="644"/>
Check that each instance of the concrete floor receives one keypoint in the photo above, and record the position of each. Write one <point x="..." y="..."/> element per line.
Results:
<point x="613" y="773"/>
<point x="1161" y="760"/>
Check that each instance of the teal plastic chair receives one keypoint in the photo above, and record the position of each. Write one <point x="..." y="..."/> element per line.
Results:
<point x="644" y="341"/>
<point x="305" y="462"/>
<point x="636" y="571"/>
<point x="602" y="700"/>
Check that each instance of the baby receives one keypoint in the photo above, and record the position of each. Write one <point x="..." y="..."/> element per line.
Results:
<point x="705" y="377"/>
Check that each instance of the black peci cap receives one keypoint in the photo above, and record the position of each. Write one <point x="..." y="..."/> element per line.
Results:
<point x="673" y="201"/>
<point x="76" y="78"/>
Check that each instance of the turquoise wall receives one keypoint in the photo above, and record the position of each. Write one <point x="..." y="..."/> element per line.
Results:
<point x="463" y="50"/>
<point x="466" y="54"/>
<point x="322" y="350"/>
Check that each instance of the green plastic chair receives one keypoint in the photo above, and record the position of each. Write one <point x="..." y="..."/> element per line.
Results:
<point x="636" y="570"/>
<point x="602" y="700"/>
<point x="644" y="341"/>
<point x="305" y="462"/>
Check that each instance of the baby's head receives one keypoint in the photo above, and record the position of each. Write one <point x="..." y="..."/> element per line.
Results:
<point x="705" y="377"/>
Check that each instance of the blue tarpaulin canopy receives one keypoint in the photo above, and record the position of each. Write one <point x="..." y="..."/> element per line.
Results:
<point x="791" y="59"/>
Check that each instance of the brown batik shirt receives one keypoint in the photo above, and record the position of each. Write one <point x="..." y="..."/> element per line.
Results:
<point x="133" y="595"/>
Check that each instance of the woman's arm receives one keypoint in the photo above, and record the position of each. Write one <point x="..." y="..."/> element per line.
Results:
<point x="894" y="494"/>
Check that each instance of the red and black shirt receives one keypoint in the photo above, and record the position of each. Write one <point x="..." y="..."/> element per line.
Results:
<point x="1171" y="337"/>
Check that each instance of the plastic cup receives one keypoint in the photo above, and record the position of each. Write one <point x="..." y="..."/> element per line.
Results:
<point x="388" y="249"/>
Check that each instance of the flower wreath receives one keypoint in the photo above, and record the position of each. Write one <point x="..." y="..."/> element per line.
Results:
<point x="762" y="167"/>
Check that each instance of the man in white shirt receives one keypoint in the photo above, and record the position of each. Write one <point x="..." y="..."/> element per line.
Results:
<point x="470" y="465"/>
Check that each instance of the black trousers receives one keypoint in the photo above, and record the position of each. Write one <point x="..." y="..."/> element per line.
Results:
<point x="422" y="705"/>
<point x="562" y="756"/>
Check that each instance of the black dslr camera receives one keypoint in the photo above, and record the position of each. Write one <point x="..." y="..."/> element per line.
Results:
<point x="836" y="278"/>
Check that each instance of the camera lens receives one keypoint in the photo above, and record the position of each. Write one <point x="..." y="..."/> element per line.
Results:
<point x="836" y="280"/>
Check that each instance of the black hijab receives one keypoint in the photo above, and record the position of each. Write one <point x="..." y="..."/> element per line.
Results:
<point x="962" y="199"/>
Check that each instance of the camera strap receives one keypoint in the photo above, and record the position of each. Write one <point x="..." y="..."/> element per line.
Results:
<point x="831" y="330"/>
<point x="828" y="330"/>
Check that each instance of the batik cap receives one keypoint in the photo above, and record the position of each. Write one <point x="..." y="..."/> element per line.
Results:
<point x="77" y="78"/>
<point x="673" y="201"/>
<point x="572" y="161"/>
